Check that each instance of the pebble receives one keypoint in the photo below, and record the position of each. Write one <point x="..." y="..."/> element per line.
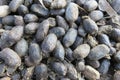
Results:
<point x="90" y="5"/>
<point x="104" y="39"/>
<point x="14" y="4"/>
<point x="81" y="51"/>
<point x="10" y="57"/>
<point x="104" y="66"/>
<point x="69" y="38"/>
<point x="41" y="71"/>
<point x="56" y="4"/>
<point x="21" y="47"/>
<point x="72" y="12"/>
<point x="42" y="30"/>
<point x="94" y="63"/>
<point x="91" y="73"/>
<point x="90" y="26"/>
<point x="39" y="10"/>
<point x="8" y="20"/>
<point x="96" y="15"/>
<point x="115" y="34"/>
<point x="59" y="68"/>
<point x="31" y="28"/>
<point x="62" y="22"/>
<point x="49" y="43"/>
<point x="4" y="10"/>
<point x="59" y="52"/>
<point x="80" y="66"/>
<point x="35" y="53"/>
<point x="22" y="10"/>
<point x="58" y="31"/>
<point x="98" y="52"/>
<point x="30" y="18"/>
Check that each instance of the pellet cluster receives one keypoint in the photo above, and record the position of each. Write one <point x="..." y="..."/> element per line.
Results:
<point x="58" y="40"/>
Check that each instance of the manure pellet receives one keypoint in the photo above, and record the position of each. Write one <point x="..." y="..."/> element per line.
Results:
<point x="59" y="40"/>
